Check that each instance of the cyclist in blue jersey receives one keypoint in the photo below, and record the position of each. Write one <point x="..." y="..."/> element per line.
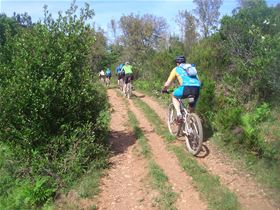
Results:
<point x="119" y="72"/>
<point x="108" y="74"/>
<point x="187" y="77"/>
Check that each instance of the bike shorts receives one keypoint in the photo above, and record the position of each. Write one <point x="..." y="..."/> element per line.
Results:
<point x="184" y="91"/>
<point x="120" y="76"/>
<point x="128" y="78"/>
<point x="108" y="76"/>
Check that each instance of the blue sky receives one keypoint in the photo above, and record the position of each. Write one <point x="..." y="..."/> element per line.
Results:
<point x="105" y="10"/>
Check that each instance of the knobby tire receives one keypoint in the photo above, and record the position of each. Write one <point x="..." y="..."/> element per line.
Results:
<point x="195" y="140"/>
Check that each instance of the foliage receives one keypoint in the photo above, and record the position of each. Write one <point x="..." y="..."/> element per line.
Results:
<point x="54" y="118"/>
<point x="251" y="40"/>
<point x="251" y="131"/>
<point x="23" y="19"/>
<point x="101" y="55"/>
<point x="208" y="15"/>
<point x="206" y="103"/>
<point x="188" y="26"/>
<point x="8" y="26"/>
<point x="140" y="36"/>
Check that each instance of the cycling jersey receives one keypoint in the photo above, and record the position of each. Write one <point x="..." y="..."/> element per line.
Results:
<point x="180" y="72"/>
<point x="101" y="73"/>
<point x="127" y="69"/>
<point x="119" y="68"/>
<point x="108" y="72"/>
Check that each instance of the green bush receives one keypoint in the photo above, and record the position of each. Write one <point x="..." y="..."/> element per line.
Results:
<point x="206" y="103"/>
<point x="53" y="118"/>
<point x="250" y="124"/>
<point x="227" y="119"/>
<point x="251" y="42"/>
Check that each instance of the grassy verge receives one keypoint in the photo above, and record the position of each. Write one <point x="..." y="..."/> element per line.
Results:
<point x="155" y="120"/>
<point x="167" y="197"/>
<point x="266" y="171"/>
<point x="86" y="186"/>
<point x="217" y="195"/>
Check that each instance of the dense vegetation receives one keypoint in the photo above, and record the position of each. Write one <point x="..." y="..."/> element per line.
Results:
<point x="53" y="116"/>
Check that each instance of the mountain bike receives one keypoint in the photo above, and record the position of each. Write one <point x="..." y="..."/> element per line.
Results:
<point x="128" y="88"/>
<point x="190" y="126"/>
<point x="102" y="79"/>
<point x="121" y="84"/>
<point x="107" y="82"/>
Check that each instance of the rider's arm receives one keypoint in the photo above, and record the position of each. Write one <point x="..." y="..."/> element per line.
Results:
<point x="171" y="77"/>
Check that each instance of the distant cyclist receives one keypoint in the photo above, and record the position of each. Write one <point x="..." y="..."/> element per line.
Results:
<point x="120" y="73"/>
<point x="127" y="68"/>
<point x="108" y="74"/>
<point x="187" y="77"/>
<point x="101" y="75"/>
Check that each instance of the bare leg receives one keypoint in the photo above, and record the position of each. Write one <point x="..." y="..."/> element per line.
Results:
<point x="124" y="89"/>
<point x="176" y="105"/>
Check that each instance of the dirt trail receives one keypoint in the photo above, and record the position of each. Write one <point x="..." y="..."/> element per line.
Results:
<point x="124" y="187"/>
<point x="250" y="194"/>
<point x="188" y="197"/>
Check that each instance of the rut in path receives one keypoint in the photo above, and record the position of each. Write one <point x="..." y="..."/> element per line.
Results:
<point x="188" y="197"/>
<point x="124" y="187"/>
<point x="250" y="194"/>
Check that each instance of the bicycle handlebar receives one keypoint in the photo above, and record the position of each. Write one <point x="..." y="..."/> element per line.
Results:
<point x="164" y="91"/>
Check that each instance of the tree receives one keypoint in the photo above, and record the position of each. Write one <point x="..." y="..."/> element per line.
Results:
<point x="8" y="26"/>
<point x="251" y="41"/>
<point x="141" y="35"/>
<point x="113" y="26"/>
<point x="208" y="15"/>
<point x="250" y="3"/>
<point x="98" y="51"/>
<point x="23" y="19"/>
<point x="187" y="24"/>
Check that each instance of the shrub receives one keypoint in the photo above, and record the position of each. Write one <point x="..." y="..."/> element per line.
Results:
<point x="53" y="116"/>
<point x="250" y="122"/>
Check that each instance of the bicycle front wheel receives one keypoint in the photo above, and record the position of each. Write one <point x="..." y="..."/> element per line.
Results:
<point x="194" y="134"/>
<point x="173" y="126"/>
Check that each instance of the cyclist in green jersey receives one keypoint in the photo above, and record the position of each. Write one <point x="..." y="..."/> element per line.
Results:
<point x="127" y="68"/>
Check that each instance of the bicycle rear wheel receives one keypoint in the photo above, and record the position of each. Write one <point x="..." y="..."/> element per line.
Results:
<point x="128" y="90"/>
<point x="121" y="84"/>
<point x="107" y="82"/>
<point x="173" y="126"/>
<point x="194" y="135"/>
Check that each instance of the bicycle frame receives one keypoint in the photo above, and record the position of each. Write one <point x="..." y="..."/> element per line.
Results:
<point x="185" y="112"/>
<point x="190" y="127"/>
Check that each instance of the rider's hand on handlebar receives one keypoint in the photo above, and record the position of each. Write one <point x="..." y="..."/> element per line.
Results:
<point x="164" y="90"/>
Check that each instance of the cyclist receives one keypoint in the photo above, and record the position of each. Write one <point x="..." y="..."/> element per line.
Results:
<point x="187" y="77"/>
<point x="128" y="74"/>
<point x="108" y="75"/>
<point x="101" y="75"/>
<point x="120" y="73"/>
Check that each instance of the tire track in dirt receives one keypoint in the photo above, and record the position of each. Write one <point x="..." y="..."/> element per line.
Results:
<point x="124" y="187"/>
<point x="188" y="197"/>
<point x="249" y="193"/>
